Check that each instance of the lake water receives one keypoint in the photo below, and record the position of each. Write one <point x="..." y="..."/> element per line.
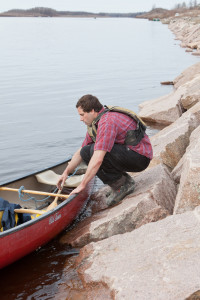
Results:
<point x="46" y="65"/>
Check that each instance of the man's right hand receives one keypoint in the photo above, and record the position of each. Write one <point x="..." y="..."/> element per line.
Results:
<point x="75" y="161"/>
<point x="61" y="181"/>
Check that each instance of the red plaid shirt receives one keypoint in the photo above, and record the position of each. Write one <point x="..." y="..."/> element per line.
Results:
<point x="112" y="128"/>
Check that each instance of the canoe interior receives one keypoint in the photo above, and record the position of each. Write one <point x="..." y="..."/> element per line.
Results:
<point x="30" y="183"/>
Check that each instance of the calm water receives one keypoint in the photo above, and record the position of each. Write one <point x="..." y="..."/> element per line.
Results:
<point x="46" y="65"/>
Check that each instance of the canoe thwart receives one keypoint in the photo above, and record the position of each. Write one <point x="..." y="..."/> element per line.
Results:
<point x="34" y="192"/>
<point x="29" y="211"/>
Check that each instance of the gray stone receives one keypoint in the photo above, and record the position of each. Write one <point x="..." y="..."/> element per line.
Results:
<point x="156" y="261"/>
<point x="187" y="75"/>
<point x="192" y="93"/>
<point x="188" y="171"/>
<point x="164" y="110"/>
<point x="169" y="145"/>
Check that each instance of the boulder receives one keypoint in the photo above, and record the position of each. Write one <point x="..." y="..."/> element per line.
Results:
<point x="194" y="45"/>
<point x="188" y="173"/>
<point x="192" y="36"/>
<point x="197" y="53"/>
<point x="152" y="200"/>
<point x="181" y="29"/>
<point x="169" y="145"/>
<point x="187" y="75"/>
<point x="188" y="50"/>
<point x="163" y="110"/>
<point x="187" y="32"/>
<point x="192" y="93"/>
<point x="167" y="109"/>
<point x="159" y="260"/>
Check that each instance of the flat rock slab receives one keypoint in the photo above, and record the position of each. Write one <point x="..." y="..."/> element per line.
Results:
<point x="187" y="75"/>
<point x="159" y="260"/>
<point x="164" y="110"/>
<point x="152" y="200"/>
<point x="167" y="109"/>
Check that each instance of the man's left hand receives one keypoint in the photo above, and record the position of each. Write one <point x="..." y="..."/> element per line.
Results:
<point x="77" y="190"/>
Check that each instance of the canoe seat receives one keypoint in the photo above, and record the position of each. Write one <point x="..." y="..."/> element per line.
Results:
<point x="51" y="178"/>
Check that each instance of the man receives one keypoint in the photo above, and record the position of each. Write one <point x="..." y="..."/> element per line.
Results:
<point x="115" y="143"/>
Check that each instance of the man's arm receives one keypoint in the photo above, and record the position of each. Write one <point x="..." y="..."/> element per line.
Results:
<point x="75" y="161"/>
<point x="93" y="167"/>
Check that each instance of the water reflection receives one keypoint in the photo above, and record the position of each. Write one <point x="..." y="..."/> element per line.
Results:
<point x="41" y="275"/>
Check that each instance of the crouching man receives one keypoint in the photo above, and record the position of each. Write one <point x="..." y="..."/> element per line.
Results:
<point x="115" y="143"/>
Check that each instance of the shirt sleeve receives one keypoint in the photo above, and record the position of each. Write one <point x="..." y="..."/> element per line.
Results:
<point x="106" y="133"/>
<point x="87" y="140"/>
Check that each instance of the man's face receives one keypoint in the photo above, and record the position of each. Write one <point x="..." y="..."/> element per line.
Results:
<point x="87" y="117"/>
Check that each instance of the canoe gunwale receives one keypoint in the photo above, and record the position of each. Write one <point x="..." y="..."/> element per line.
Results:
<point x="39" y="218"/>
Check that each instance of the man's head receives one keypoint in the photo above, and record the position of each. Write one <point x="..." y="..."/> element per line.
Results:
<point x="88" y="103"/>
<point x="88" y="108"/>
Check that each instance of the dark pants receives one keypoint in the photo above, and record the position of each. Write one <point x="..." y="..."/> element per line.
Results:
<point x="116" y="162"/>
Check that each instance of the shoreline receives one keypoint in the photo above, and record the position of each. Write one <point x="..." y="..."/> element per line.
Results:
<point x="146" y="246"/>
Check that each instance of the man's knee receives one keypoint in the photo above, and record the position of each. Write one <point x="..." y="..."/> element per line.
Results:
<point x="86" y="153"/>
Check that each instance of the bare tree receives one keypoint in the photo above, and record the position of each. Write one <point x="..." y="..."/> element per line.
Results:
<point x="195" y="3"/>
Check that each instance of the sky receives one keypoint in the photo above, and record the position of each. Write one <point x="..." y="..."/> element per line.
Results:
<point x="122" y="6"/>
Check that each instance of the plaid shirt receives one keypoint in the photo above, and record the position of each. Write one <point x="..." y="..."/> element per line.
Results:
<point x="112" y="129"/>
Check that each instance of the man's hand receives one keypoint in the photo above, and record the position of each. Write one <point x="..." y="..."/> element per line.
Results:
<point x="61" y="181"/>
<point x="79" y="189"/>
<point x="75" y="161"/>
<point x="92" y="169"/>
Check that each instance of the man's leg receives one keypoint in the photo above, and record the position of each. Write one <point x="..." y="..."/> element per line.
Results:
<point x="120" y="160"/>
<point x="114" y="167"/>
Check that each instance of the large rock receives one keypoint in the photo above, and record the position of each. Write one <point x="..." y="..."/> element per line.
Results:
<point x="169" y="145"/>
<point x="188" y="172"/>
<point x="157" y="261"/>
<point x="187" y="32"/>
<point x="191" y="39"/>
<point x="187" y="75"/>
<point x="192" y="93"/>
<point x="164" y="110"/>
<point x="152" y="200"/>
<point x="167" y="109"/>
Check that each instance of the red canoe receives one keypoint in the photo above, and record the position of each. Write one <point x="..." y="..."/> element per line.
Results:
<point x="27" y="237"/>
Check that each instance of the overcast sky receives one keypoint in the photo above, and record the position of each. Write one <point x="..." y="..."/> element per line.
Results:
<point x="91" y="5"/>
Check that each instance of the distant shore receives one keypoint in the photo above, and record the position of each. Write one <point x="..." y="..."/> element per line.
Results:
<point x="48" y="12"/>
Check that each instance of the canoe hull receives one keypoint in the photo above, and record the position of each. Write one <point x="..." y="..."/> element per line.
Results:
<point x="19" y="241"/>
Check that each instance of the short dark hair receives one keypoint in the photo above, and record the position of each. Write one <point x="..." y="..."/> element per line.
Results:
<point x="88" y="103"/>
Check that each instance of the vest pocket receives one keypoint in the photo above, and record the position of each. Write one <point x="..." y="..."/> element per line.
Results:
<point x="133" y="137"/>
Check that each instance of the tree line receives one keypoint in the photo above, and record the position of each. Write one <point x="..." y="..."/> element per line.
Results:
<point x="191" y="5"/>
<point x="49" y="12"/>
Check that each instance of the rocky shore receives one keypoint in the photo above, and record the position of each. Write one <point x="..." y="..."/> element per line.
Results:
<point x="148" y="246"/>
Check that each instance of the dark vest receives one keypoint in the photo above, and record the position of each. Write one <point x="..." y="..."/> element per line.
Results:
<point x="133" y="137"/>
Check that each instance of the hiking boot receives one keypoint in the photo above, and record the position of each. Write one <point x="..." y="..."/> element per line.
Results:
<point x="122" y="191"/>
